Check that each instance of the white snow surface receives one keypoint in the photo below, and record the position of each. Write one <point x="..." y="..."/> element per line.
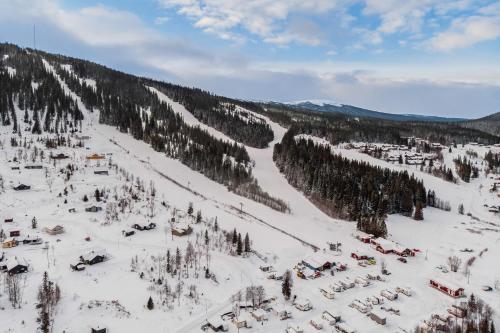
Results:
<point x="440" y="235"/>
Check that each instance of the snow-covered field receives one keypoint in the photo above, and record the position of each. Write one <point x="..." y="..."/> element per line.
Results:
<point x="282" y="240"/>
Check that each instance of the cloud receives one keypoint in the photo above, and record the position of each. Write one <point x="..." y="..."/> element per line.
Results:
<point x="161" y="20"/>
<point x="122" y="40"/>
<point x="267" y="19"/>
<point x="467" y="31"/>
<point x="396" y="16"/>
<point x="120" y="33"/>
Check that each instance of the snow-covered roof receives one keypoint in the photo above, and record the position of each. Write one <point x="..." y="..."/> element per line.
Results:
<point x="280" y="308"/>
<point x="385" y="243"/>
<point x="346" y="328"/>
<point x="302" y="302"/>
<point x="243" y="316"/>
<point x="216" y="321"/>
<point x="259" y="313"/>
<point x="379" y="314"/>
<point x="332" y="313"/>
<point x="448" y="284"/>
<point x="361" y="234"/>
<point x="94" y="253"/>
<point x="318" y="259"/>
<point x="12" y="262"/>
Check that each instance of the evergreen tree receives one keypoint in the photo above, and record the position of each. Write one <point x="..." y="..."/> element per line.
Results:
<point x="169" y="266"/>
<point x="247" y="243"/>
<point x="239" y="245"/>
<point x="206" y="238"/>
<point x="286" y="286"/>
<point x="419" y="214"/>
<point x="190" y="209"/>
<point x="150" y="304"/>
<point x="234" y="238"/>
<point x="178" y="259"/>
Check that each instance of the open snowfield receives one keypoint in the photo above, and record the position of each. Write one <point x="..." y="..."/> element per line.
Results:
<point x="282" y="240"/>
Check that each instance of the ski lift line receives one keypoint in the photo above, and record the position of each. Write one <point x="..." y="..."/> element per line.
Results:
<point x="302" y="241"/>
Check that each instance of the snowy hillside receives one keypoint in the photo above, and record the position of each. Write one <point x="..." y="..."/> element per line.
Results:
<point x="181" y="252"/>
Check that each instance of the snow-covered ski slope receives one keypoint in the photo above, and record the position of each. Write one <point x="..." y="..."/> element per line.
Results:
<point x="275" y="235"/>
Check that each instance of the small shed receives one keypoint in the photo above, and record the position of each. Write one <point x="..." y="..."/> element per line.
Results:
<point x="95" y="157"/>
<point x="389" y="295"/>
<point x="362" y="236"/>
<point x="243" y="320"/>
<point x="101" y="172"/>
<point x="216" y="324"/>
<point x="33" y="167"/>
<point x="404" y="251"/>
<point x="347" y="283"/>
<point x="331" y="317"/>
<point x="32" y="240"/>
<point x="55" y="230"/>
<point x="328" y="292"/>
<point x="15" y="233"/>
<point x="141" y="227"/>
<point x="59" y="156"/>
<point x="316" y="322"/>
<point x="359" y="256"/>
<point x="8" y="220"/>
<point x="294" y="329"/>
<point x="22" y="187"/>
<point x="344" y="328"/>
<point x="303" y="304"/>
<point x="93" y="209"/>
<point x="9" y="243"/>
<point x="457" y="311"/>
<point x="259" y="314"/>
<point x="98" y="330"/>
<point x="282" y="312"/>
<point x="181" y="230"/>
<point x="378" y="317"/>
<point x="383" y="245"/>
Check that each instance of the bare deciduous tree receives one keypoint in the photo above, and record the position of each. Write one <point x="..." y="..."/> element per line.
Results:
<point x="454" y="262"/>
<point x="15" y="286"/>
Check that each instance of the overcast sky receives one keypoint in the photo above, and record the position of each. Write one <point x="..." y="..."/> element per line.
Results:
<point x="435" y="57"/>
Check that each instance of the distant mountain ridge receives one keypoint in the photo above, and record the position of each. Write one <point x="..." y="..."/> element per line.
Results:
<point x="489" y="124"/>
<point x="354" y="111"/>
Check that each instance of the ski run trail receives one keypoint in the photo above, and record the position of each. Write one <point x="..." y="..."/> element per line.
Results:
<point x="281" y="240"/>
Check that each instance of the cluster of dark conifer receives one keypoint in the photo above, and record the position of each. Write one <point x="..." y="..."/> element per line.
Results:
<point x="336" y="128"/>
<point x="493" y="160"/>
<point x="465" y="169"/>
<point x="349" y="189"/>
<point x="221" y="114"/>
<point x="44" y="109"/>
<point x="125" y="101"/>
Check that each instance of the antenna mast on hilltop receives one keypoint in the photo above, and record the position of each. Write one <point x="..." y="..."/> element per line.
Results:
<point x="34" y="37"/>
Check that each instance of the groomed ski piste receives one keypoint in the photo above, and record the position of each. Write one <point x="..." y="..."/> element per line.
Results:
<point x="112" y="294"/>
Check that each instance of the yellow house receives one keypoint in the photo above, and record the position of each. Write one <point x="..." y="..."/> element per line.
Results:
<point x="95" y="157"/>
<point x="8" y="243"/>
